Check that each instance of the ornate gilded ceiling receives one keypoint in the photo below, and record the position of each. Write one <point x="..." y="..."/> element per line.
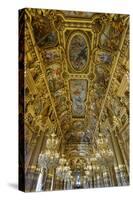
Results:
<point x="76" y="69"/>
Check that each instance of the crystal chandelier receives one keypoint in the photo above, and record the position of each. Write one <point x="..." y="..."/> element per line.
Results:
<point x="52" y="142"/>
<point x="104" y="154"/>
<point x="100" y="158"/>
<point x="88" y="175"/>
<point x="63" y="170"/>
<point x="48" y="159"/>
<point x="92" y="166"/>
<point x="88" y="170"/>
<point x="91" y="171"/>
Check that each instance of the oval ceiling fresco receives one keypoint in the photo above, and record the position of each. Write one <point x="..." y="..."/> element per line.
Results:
<point x="78" y="51"/>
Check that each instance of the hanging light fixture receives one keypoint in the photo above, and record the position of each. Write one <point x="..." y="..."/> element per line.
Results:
<point x="63" y="171"/>
<point x="104" y="153"/>
<point x="48" y="159"/>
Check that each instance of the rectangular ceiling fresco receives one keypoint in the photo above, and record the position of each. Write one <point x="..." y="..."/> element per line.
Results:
<point x="78" y="91"/>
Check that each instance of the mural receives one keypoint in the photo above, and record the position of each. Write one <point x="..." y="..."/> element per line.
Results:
<point x="57" y="89"/>
<point x="102" y="76"/>
<point x="78" y="91"/>
<point x="51" y="55"/>
<point x="55" y="82"/>
<point x="61" y="105"/>
<point x="110" y="38"/>
<point x="103" y="57"/>
<point x="78" y="51"/>
<point x="43" y="31"/>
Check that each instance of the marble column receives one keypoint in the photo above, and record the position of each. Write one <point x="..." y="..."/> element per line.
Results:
<point x="118" y="159"/>
<point x="48" y="180"/>
<point x="34" y="159"/>
<point x="121" y="172"/>
<point x="52" y="179"/>
<point x="40" y="181"/>
<point x="123" y="175"/>
<point x="98" y="180"/>
<point x="106" y="179"/>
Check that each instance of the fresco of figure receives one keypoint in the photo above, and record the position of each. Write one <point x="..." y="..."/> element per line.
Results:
<point x="78" y="96"/>
<point x="78" y="52"/>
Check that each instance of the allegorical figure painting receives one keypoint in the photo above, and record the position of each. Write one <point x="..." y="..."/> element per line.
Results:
<point x="78" y="51"/>
<point x="78" y="90"/>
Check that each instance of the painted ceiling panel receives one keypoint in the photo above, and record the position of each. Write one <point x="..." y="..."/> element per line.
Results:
<point x="78" y="51"/>
<point x="78" y="92"/>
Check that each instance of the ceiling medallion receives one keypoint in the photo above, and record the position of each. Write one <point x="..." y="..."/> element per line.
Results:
<point x="78" y="51"/>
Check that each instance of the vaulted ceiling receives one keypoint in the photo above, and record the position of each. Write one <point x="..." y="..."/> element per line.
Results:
<point x="76" y="76"/>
